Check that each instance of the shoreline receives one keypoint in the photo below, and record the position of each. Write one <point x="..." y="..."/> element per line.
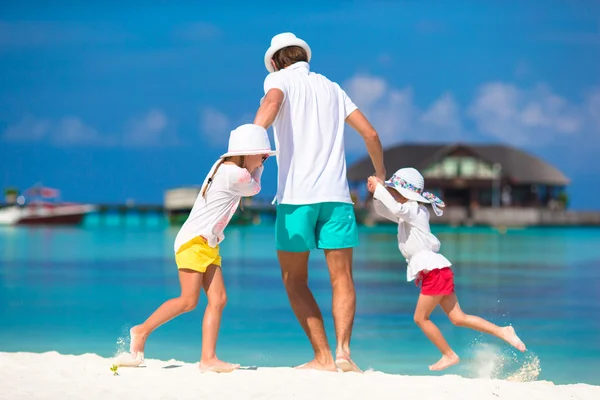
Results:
<point x="51" y="375"/>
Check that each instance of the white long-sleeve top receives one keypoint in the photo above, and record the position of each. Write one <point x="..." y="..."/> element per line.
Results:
<point x="211" y="214"/>
<point x="416" y="242"/>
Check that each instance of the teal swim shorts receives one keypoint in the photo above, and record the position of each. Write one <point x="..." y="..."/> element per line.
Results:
<point x="326" y="225"/>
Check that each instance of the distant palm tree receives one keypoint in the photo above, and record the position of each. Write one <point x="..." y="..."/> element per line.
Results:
<point x="10" y="195"/>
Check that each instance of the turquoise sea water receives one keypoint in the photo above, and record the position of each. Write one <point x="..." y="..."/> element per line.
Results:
<point x="78" y="290"/>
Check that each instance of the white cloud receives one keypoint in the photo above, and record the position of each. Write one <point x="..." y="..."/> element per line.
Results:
<point x="524" y="116"/>
<point x="500" y="111"/>
<point x="395" y="116"/>
<point x="444" y="113"/>
<point x="29" y="129"/>
<point x="215" y="125"/>
<point x="389" y="110"/>
<point x="72" y="131"/>
<point x="366" y="89"/>
<point x="148" y="130"/>
<point x="67" y="131"/>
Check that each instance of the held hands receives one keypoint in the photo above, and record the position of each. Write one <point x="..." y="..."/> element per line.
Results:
<point x="372" y="183"/>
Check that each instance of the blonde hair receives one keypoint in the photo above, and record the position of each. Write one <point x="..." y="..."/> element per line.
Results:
<point x="240" y="161"/>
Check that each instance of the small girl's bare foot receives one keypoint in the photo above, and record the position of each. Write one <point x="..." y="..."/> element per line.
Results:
<point x="137" y="342"/>
<point x="511" y="337"/>
<point x="445" y="362"/>
<point x="217" y="365"/>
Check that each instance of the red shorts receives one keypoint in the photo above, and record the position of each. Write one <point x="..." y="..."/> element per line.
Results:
<point x="437" y="282"/>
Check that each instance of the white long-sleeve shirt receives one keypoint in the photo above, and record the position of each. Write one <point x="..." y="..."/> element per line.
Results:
<point x="416" y="242"/>
<point x="211" y="214"/>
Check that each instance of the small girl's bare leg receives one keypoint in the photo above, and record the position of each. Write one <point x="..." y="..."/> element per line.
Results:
<point x="459" y="318"/>
<point x="425" y="307"/>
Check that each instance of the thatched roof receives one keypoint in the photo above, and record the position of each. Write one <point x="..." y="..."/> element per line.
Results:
<point x="517" y="165"/>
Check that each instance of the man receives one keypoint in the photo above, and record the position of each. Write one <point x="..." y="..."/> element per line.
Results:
<point x="314" y="207"/>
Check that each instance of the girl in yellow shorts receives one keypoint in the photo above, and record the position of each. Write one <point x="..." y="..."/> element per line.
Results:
<point x="236" y="174"/>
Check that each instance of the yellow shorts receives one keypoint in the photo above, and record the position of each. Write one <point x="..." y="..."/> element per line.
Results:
<point x="197" y="255"/>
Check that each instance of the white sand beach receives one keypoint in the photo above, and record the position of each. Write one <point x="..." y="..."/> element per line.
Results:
<point x="55" y="376"/>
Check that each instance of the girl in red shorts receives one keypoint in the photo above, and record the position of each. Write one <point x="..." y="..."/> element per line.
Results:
<point x="398" y="200"/>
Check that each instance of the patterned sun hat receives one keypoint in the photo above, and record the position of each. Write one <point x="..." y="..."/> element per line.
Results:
<point x="410" y="183"/>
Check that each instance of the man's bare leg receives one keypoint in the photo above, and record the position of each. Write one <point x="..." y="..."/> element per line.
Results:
<point x="343" y="306"/>
<point x="294" y="271"/>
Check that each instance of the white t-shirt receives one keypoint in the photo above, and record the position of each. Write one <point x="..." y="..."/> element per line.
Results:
<point x="211" y="214"/>
<point x="416" y="242"/>
<point x="309" y="135"/>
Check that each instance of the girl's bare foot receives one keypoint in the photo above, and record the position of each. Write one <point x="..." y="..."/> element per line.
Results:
<point x="138" y="340"/>
<point x="135" y="357"/>
<point x="129" y="360"/>
<point x="216" y="365"/>
<point x="511" y="337"/>
<point x="314" y="364"/>
<point x="445" y="362"/>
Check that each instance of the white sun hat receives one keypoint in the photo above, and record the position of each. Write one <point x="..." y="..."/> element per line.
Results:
<point x="248" y="140"/>
<point x="280" y="41"/>
<point x="410" y="183"/>
<point x="245" y="140"/>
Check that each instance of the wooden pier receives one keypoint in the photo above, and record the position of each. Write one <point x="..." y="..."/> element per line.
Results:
<point x="253" y="211"/>
<point x="124" y="212"/>
<point x="503" y="217"/>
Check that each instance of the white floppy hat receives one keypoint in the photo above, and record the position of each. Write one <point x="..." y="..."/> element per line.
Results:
<point x="248" y="140"/>
<point x="280" y="41"/>
<point x="410" y="183"/>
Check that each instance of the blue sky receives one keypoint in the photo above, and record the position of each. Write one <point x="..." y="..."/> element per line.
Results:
<point x="115" y="100"/>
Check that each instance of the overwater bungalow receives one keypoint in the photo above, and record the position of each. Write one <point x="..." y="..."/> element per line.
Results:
<point x="474" y="175"/>
<point x="475" y="180"/>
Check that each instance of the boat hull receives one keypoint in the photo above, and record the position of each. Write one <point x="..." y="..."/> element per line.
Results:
<point x="57" y="215"/>
<point x="74" y="219"/>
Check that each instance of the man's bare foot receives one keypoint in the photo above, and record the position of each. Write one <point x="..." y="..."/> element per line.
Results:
<point x="511" y="337"/>
<point x="445" y="362"/>
<point x="314" y="364"/>
<point x="346" y="364"/>
<point x="217" y="365"/>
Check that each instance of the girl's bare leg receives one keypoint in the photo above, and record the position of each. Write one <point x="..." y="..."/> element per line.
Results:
<point x="425" y="307"/>
<point x="459" y="318"/>
<point x="217" y="298"/>
<point x="191" y="282"/>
